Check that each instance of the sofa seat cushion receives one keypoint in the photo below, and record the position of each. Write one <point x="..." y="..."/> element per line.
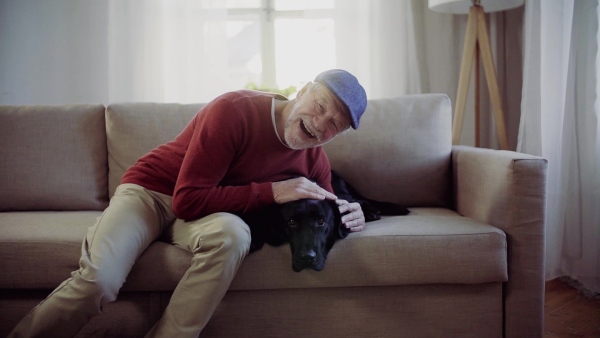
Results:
<point x="39" y="249"/>
<point x="429" y="246"/>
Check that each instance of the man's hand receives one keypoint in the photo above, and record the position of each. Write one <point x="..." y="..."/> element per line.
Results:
<point x="299" y="188"/>
<point x="355" y="219"/>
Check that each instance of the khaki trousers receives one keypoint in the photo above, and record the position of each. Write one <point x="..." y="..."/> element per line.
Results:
<point x="134" y="219"/>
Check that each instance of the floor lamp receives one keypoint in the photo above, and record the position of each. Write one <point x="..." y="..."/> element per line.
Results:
<point x="477" y="45"/>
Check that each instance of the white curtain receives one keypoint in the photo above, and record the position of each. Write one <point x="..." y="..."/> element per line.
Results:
<point x="560" y="121"/>
<point x="399" y="47"/>
<point x="69" y="51"/>
<point x="176" y="51"/>
<point x="167" y="51"/>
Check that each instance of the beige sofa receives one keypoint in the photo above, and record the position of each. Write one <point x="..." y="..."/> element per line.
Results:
<point x="467" y="261"/>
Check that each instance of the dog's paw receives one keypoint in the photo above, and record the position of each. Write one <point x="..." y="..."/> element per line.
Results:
<point x="370" y="212"/>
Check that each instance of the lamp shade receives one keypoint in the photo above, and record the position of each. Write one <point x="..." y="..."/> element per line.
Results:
<point x="462" y="6"/>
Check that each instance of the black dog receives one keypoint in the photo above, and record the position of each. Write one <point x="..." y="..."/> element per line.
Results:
<point x="311" y="227"/>
<point x="371" y="209"/>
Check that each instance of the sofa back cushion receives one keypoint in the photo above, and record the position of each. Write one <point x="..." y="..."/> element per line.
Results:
<point x="401" y="152"/>
<point x="133" y="129"/>
<point x="53" y="158"/>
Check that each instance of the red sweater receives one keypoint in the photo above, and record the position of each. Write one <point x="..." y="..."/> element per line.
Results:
<point x="226" y="158"/>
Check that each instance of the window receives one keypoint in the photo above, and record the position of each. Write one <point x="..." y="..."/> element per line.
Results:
<point x="278" y="43"/>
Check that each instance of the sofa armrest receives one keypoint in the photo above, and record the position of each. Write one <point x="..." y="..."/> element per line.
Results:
<point x="508" y="190"/>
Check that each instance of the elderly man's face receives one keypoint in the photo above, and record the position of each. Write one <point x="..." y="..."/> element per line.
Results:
<point x="316" y="118"/>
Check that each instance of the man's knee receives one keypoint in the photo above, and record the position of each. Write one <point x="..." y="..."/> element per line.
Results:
<point x="98" y="281"/>
<point x="101" y="284"/>
<point x="230" y="231"/>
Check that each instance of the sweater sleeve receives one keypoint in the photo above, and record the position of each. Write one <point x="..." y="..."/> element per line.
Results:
<point x="217" y="137"/>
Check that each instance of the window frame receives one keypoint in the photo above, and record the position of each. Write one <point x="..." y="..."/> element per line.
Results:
<point x="267" y="15"/>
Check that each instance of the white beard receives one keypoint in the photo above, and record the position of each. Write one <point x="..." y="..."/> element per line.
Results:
<point x="294" y="132"/>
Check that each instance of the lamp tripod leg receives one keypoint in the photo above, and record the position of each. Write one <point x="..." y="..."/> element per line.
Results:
<point x="465" y="76"/>
<point x="492" y="80"/>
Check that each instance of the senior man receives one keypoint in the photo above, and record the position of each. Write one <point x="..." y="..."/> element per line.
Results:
<point x="242" y="151"/>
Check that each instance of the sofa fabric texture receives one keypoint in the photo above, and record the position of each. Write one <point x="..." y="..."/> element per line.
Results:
<point x="53" y="158"/>
<point x="407" y="144"/>
<point x="466" y="262"/>
<point x="142" y="127"/>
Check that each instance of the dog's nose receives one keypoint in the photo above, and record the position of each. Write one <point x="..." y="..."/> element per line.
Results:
<point x="309" y="256"/>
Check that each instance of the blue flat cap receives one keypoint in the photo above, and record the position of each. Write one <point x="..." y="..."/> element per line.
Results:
<point x="346" y="87"/>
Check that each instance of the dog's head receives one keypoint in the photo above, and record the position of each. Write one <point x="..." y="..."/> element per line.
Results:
<point x="311" y="227"/>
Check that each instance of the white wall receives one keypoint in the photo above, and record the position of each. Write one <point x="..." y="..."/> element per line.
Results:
<point x="43" y="43"/>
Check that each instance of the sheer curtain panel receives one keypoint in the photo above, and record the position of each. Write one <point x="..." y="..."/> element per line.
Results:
<point x="167" y="51"/>
<point x="559" y="121"/>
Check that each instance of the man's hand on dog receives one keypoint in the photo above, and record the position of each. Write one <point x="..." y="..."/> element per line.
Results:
<point x="299" y="188"/>
<point x="352" y="215"/>
<point x="302" y="188"/>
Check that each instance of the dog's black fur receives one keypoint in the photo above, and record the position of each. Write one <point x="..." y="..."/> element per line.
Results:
<point x="311" y="227"/>
<point x="371" y="209"/>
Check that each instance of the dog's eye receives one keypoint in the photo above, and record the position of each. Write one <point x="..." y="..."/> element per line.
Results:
<point x="320" y="222"/>
<point x="292" y="223"/>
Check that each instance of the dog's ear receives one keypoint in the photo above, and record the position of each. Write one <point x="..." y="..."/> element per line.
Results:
<point x="257" y="230"/>
<point x="266" y="226"/>
<point x="275" y="226"/>
<point x="339" y="229"/>
<point x="256" y="244"/>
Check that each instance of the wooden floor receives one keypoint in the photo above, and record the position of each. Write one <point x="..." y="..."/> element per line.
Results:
<point x="569" y="314"/>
